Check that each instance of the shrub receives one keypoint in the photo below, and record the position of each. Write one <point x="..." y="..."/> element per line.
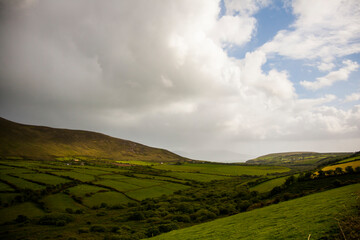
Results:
<point x="69" y="210"/>
<point x="83" y="230"/>
<point x="97" y="228"/>
<point x="55" y="219"/>
<point x="21" y="219"/>
<point x="137" y="216"/>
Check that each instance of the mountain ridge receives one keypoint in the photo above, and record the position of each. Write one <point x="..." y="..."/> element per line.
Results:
<point x="42" y="142"/>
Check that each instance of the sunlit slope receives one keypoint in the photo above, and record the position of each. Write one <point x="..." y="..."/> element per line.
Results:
<point x="295" y="219"/>
<point x="45" y="142"/>
<point x="297" y="158"/>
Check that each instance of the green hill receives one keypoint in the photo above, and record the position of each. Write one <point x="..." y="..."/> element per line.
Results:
<point x="315" y="214"/>
<point x="298" y="159"/>
<point x="38" y="142"/>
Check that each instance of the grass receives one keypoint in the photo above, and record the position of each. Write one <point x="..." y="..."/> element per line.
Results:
<point x="296" y="219"/>
<point x="5" y="188"/>
<point x="350" y="159"/>
<point x="196" y="176"/>
<point x="354" y="164"/>
<point x="28" y="209"/>
<point x="44" y="178"/>
<point x="269" y="185"/>
<point x="110" y="198"/>
<point x="75" y="175"/>
<point x="82" y="190"/>
<point x="223" y="169"/>
<point x="59" y="202"/>
<point x="141" y="163"/>
<point x="120" y="186"/>
<point x="21" y="183"/>
<point x="8" y="197"/>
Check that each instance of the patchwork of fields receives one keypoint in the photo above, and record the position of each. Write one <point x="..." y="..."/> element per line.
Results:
<point x="66" y="185"/>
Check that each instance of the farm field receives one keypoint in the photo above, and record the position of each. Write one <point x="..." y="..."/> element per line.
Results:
<point x="353" y="164"/>
<point x="59" y="202"/>
<point x="136" y="202"/>
<point x="269" y="185"/>
<point x="295" y="219"/>
<point x="223" y="169"/>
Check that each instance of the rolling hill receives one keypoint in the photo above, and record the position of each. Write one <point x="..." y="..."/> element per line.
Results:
<point x="38" y="142"/>
<point x="298" y="159"/>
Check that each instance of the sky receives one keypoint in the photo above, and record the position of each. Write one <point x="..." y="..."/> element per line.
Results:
<point x="214" y="80"/>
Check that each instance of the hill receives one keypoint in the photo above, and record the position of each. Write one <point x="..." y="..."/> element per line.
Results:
<point x="312" y="215"/>
<point x="298" y="159"/>
<point x="38" y="142"/>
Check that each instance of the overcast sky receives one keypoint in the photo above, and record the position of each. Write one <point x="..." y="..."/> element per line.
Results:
<point x="219" y="80"/>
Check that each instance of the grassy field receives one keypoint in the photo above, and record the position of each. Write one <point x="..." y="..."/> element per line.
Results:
<point x="268" y="185"/>
<point x="354" y="164"/>
<point x="75" y="175"/>
<point x="295" y="219"/>
<point x="21" y="183"/>
<point x="43" y="178"/>
<point x="59" y="202"/>
<point x="196" y="176"/>
<point x="29" y="209"/>
<point x="223" y="169"/>
<point x="110" y="198"/>
<point x="83" y="190"/>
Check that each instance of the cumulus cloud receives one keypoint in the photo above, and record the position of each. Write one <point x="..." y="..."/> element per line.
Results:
<point x="324" y="29"/>
<point x="352" y="97"/>
<point x="158" y="72"/>
<point x="340" y="75"/>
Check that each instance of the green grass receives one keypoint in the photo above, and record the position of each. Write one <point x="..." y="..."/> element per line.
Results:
<point x="152" y="192"/>
<point x="110" y="198"/>
<point x="82" y="190"/>
<point x="75" y="175"/>
<point x="5" y="188"/>
<point x="28" y="209"/>
<point x="350" y="159"/>
<point x="141" y="163"/>
<point x="44" y="178"/>
<point x="196" y="176"/>
<point x="120" y="186"/>
<point x="296" y="219"/>
<point x="59" y="202"/>
<point x="269" y="185"/>
<point x="8" y="197"/>
<point x="21" y="183"/>
<point x="223" y="169"/>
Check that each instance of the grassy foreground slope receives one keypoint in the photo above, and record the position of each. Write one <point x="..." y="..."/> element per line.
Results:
<point x="19" y="140"/>
<point x="296" y="219"/>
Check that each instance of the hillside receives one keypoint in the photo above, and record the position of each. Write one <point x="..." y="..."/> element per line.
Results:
<point x="38" y="142"/>
<point x="311" y="216"/>
<point x="297" y="159"/>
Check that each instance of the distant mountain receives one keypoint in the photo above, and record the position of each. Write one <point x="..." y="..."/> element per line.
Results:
<point x="38" y="142"/>
<point x="216" y="155"/>
<point x="297" y="158"/>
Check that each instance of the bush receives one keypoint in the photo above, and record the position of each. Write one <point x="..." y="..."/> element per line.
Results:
<point x="21" y="219"/>
<point x="97" y="228"/>
<point x="55" y="219"/>
<point x="83" y="230"/>
<point x="136" y="216"/>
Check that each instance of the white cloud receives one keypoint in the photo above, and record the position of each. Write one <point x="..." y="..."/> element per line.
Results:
<point x="156" y="72"/>
<point x="324" y="29"/>
<point x="244" y="7"/>
<point x="352" y="97"/>
<point x="340" y="75"/>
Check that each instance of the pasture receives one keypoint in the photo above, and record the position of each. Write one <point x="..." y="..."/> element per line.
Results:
<point x="223" y="169"/>
<point x="300" y="218"/>
<point x="353" y="164"/>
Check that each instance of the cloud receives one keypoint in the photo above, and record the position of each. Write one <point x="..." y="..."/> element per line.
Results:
<point x="323" y="30"/>
<point x="158" y="72"/>
<point x="340" y="75"/>
<point x="352" y="97"/>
